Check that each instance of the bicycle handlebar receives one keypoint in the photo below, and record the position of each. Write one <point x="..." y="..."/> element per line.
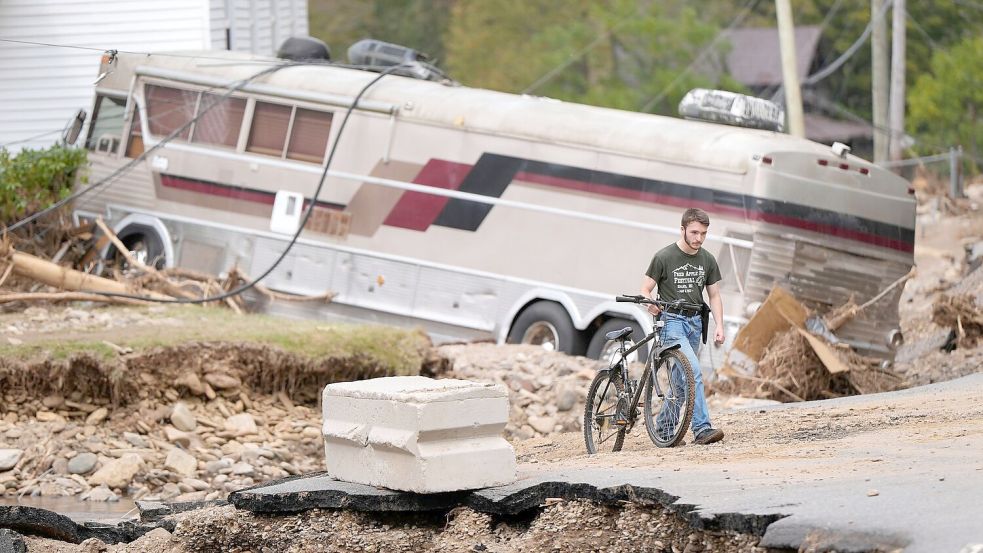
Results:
<point x="662" y="304"/>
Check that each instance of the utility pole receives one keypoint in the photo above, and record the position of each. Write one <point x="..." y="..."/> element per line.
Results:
<point x="879" y="78"/>
<point x="897" y="109"/>
<point x="790" y="77"/>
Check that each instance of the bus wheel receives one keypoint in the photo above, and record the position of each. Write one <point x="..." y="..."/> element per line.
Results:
<point x="143" y="244"/>
<point x="547" y="324"/>
<point x="606" y="350"/>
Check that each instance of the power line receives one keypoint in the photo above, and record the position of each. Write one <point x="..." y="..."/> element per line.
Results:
<point x="699" y="58"/>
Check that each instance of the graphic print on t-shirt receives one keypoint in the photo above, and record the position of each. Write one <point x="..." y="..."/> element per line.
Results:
<point x="689" y="278"/>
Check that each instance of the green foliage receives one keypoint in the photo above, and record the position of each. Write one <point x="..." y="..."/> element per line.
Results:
<point x="418" y="24"/>
<point x="619" y="53"/>
<point x="34" y="179"/>
<point x="946" y="104"/>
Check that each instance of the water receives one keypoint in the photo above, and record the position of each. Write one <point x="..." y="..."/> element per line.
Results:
<point x="109" y="512"/>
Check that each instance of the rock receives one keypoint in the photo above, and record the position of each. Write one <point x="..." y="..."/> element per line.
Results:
<point x="192" y="383"/>
<point x="566" y="399"/>
<point x="241" y="425"/>
<point x="195" y="484"/>
<point x="176" y="437"/>
<point x="47" y="416"/>
<point x="543" y="425"/>
<point x="243" y="469"/>
<point x="100" y="494"/>
<point x="135" y="440"/>
<point x="222" y="381"/>
<point x="97" y="417"/>
<point x="214" y="467"/>
<point x="9" y="458"/>
<point x="252" y="453"/>
<point x="180" y="462"/>
<point x="14" y="433"/>
<point x="312" y="432"/>
<point x="39" y="522"/>
<point x="182" y="418"/>
<point x="60" y="465"/>
<point x="83" y="463"/>
<point x="119" y="472"/>
<point x="53" y="401"/>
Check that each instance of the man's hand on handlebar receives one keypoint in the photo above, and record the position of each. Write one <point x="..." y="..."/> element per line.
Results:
<point x="654" y="310"/>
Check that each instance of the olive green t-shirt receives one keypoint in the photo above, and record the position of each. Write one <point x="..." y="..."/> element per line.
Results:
<point x="681" y="276"/>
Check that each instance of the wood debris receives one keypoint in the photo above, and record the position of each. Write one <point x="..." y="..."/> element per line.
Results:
<point x="961" y="314"/>
<point x="133" y="283"/>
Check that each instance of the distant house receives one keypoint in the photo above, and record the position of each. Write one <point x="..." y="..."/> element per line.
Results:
<point x="41" y="87"/>
<point x="755" y="61"/>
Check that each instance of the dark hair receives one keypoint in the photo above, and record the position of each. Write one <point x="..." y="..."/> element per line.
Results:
<point x="695" y="214"/>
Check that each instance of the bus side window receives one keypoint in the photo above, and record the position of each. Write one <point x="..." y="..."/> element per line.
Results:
<point x="168" y="109"/>
<point x="268" y="132"/>
<point x="106" y="129"/>
<point x="309" y="135"/>
<point x="220" y="124"/>
<point x="134" y="144"/>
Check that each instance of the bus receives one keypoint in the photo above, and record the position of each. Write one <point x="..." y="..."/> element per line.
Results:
<point x="473" y="213"/>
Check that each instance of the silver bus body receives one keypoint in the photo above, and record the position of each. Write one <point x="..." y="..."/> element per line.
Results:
<point x="463" y="207"/>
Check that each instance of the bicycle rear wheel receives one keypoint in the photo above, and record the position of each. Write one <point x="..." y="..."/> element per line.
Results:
<point x="669" y="396"/>
<point x="600" y="432"/>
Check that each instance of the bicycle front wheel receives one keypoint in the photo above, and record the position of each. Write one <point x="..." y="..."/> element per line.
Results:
<point x="600" y="430"/>
<point x="669" y="396"/>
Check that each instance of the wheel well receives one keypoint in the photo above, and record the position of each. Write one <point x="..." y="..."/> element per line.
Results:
<point x="150" y="227"/>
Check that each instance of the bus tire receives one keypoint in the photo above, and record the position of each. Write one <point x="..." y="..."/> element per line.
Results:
<point x="599" y="346"/>
<point x="143" y="242"/>
<point x="547" y="323"/>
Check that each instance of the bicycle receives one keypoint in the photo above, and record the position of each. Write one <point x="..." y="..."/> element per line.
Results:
<point x="667" y="381"/>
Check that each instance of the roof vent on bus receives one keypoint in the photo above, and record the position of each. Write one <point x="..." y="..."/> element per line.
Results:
<point x="376" y="55"/>
<point x="304" y="48"/>
<point x="730" y="108"/>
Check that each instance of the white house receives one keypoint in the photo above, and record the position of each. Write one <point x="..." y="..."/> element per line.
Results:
<point x="50" y="49"/>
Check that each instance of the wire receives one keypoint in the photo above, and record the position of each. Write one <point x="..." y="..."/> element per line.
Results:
<point x="303" y="222"/>
<point x="733" y="24"/>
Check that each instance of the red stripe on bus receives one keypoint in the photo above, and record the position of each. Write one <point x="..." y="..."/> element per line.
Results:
<point x="417" y="210"/>
<point x="676" y="201"/>
<point x="213" y="189"/>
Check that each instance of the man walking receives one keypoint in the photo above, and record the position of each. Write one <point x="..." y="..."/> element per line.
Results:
<point x="681" y="271"/>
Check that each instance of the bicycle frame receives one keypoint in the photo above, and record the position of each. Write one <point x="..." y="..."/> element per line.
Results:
<point x="650" y="366"/>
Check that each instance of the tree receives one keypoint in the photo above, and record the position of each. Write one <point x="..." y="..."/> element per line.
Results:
<point x="618" y="53"/>
<point x="946" y="103"/>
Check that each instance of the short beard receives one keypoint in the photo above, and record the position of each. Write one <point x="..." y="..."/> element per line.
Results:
<point x="691" y="246"/>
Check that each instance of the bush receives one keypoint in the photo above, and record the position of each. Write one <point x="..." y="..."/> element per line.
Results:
<point x="34" y="179"/>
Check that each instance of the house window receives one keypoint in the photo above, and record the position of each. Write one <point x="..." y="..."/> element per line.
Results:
<point x="309" y="135"/>
<point x="106" y="128"/>
<point x="168" y="109"/>
<point x="268" y="133"/>
<point x="220" y="123"/>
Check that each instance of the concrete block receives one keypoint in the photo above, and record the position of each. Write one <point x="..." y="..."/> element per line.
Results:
<point x="417" y="434"/>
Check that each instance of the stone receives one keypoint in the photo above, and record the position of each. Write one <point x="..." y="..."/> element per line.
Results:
<point x="180" y="462"/>
<point x="177" y="437"/>
<point x="566" y="399"/>
<point x="47" y="416"/>
<point x="182" y="418"/>
<point x="53" y="401"/>
<point x="243" y="469"/>
<point x="242" y="424"/>
<point x="59" y="465"/>
<point x="100" y="494"/>
<point x="214" y="467"/>
<point x="9" y="458"/>
<point x="118" y="473"/>
<point x="135" y="440"/>
<point x="83" y="463"/>
<point x="543" y="425"/>
<point x="97" y="417"/>
<point x="192" y="383"/>
<point x="222" y="381"/>
<point x="39" y="522"/>
<point x="417" y="434"/>
<point x="195" y="484"/>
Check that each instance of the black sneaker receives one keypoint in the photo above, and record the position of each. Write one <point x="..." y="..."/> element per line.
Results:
<point x="709" y="436"/>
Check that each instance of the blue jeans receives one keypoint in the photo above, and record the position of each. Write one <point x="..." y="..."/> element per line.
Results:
<point x="687" y="331"/>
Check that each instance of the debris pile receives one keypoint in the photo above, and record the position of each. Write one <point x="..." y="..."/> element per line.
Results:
<point x="962" y="315"/>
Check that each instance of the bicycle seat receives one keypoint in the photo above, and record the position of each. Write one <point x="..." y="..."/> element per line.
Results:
<point x="618" y="334"/>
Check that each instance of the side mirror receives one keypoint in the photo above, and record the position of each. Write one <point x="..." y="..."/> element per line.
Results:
<point x="74" y="128"/>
